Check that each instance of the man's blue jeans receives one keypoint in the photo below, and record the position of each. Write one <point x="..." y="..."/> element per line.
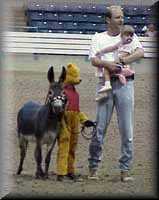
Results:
<point x="122" y="98"/>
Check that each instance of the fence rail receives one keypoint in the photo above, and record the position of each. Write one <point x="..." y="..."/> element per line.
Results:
<point x="59" y="43"/>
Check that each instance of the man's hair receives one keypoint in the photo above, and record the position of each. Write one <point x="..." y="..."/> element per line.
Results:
<point x="110" y="9"/>
<point x="127" y="29"/>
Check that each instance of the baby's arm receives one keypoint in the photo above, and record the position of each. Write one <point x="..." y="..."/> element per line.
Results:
<point x="108" y="49"/>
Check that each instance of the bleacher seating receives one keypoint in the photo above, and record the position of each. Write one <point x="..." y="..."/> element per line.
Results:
<point x="80" y="17"/>
<point x="96" y="18"/>
<point x="50" y="16"/>
<point x="65" y="17"/>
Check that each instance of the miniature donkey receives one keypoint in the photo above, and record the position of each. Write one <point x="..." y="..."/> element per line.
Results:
<point x="42" y="122"/>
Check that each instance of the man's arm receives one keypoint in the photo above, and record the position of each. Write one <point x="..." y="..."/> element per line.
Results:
<point x="110" y="66"/>
<point x="137" y="54"/>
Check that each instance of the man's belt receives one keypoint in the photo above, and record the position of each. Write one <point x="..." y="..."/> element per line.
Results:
<point x="128" y="78"/>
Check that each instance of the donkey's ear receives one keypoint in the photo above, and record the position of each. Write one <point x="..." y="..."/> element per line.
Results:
<point x="63" y="75"/>
<point x="50" y="74"/>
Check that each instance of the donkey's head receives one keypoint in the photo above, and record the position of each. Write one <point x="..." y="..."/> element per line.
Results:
<point x="56" y="97"/>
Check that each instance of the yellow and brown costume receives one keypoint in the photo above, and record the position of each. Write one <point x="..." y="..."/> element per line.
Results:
<point x="68" y="137"/>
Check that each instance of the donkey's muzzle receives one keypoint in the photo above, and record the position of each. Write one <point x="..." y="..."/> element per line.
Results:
<point x="57" y="106"/>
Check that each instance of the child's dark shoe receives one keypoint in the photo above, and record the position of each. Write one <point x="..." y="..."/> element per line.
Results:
<point x="75" y="177"/>
<point x="61" y="178"/>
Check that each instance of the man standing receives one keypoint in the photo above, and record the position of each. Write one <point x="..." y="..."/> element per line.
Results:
<point x="121" y="96"/>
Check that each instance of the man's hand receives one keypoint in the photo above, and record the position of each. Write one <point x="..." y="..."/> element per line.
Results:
<point x="114" y="68"/>
<point x="110" y="66"/>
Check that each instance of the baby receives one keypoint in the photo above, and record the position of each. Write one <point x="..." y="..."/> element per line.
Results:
<point x="121" y="49"/>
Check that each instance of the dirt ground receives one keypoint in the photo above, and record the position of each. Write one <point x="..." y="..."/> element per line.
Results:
<point x="33" y="86"/>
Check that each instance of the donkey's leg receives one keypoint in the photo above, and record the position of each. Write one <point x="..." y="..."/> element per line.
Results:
<point x="48" y="158"/>
<point x="23" y="143"/>
<point x="38" y="157"/>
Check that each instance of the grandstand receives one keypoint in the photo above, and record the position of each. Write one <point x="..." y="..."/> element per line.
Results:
<point x="86" y="18"/>
<point x="71" y="20"/>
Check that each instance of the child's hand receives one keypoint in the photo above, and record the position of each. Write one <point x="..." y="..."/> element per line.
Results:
<point x="98" y="54"/>
<point x="117" y="60"/>
<point x="122" y="60"/>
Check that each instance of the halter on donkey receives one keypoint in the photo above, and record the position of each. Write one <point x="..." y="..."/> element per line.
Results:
<point x="42" y="122"/>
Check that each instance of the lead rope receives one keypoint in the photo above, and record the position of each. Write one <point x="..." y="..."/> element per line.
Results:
<point x="89" y="135"/>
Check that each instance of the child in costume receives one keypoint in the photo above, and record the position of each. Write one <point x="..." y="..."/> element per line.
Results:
<point x="68" y="137"/>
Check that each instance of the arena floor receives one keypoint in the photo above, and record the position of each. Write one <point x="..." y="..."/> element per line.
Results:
<point x="21" y="85"/>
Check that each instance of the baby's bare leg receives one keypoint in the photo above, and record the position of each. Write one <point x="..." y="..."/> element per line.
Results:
<point x="107" y="85"/>
<point x="102" y="92"/>
<point x="106" y="75"/>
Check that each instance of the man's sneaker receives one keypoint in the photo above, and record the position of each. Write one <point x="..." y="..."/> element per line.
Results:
<point x="105" y="88"/>
<point x="93" y="174"/>
<point x="125" y="177"/>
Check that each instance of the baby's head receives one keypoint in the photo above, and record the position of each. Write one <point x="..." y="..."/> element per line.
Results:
<point x="127" y="33"/>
